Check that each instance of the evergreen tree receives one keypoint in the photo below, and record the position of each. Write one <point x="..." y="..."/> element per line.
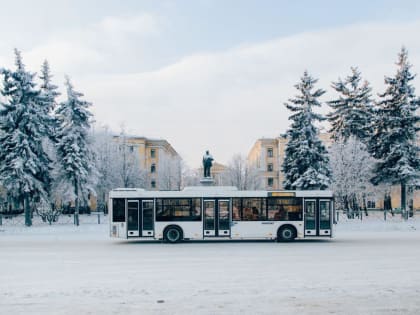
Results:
<point x="77" y="172"/>
<point x="306" y="162"/>
<point x="394" y="142"/>
<point x="352" y="111"/>
<point x="49" y="94"/>
<point x="25" y="170"/>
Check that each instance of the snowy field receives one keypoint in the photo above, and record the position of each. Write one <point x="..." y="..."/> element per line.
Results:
<point x="370" y="267"/>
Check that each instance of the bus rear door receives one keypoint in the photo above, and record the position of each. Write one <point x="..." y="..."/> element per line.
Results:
<point x="318" y="215"/>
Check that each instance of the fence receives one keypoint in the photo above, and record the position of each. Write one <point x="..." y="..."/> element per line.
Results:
<point x="101" y="218"/>
<point x="63" y="219"/>
<point x="374" y="214"/>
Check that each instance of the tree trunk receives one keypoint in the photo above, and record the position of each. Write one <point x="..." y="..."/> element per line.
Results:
<point x="76" y="204"/>
<point x="365" y="205"/>
<point x="404" y="200"/>
<point x="27" y="208"/>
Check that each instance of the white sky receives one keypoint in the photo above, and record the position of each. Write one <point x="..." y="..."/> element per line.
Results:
<point x="206" y="74"/>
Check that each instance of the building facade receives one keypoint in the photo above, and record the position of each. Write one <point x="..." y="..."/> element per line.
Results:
<point x="159" y="161"/>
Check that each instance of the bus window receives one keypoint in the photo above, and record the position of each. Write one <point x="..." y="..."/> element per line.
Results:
<point x="118" y="210"/>
<point x="285" y="209"/>
<point x="324" y="210"/>
<point x="184" y="209"/>
<point x="254" y="209"/>
<point x="236" y="209"/>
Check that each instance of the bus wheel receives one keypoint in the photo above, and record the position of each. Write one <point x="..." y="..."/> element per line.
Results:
<point x="173" y="234"/>
<point x="286" y="233"/>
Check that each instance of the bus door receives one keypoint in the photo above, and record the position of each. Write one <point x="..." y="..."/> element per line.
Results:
<point x="318" y="217"/>
<point x="140" y="218"/>
<point x="147" y="219"/>
<point x="133" y="218"/>
<point x="216" y="217"/>
<point x="325" y="217"/>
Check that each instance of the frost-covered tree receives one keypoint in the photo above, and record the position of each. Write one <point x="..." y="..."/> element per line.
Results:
<point x="118" y="163"/>
<point x="106" y="151"/>
<point x="351" y="167"/>
<point x="394" y="142"/>
<point x="306" y="161"/>
<point x="169" y="172"/>
<point x="25" y="166"/>
<point x="77" y="173"/>
<point x="352" y="111"/>
<point x="242" y="174"/>
<point x="191" y="177"/>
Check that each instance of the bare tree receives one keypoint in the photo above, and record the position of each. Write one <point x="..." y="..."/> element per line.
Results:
<point x="169" y="172"/>
<point x="106" y="151"/>
<point x="118" y="163"/>
<point x="242" y="174"/>
<point x="127" y="163"/>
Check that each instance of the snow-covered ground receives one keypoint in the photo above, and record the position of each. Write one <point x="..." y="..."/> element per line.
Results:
<point x="370" y="267"/>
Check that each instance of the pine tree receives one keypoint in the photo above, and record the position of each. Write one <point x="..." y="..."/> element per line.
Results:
<point x="394" y="142"/>
<point x="25" y="167"/>
<point x="77" y="171"/>
<point x="306" y="162"/>
<point x="352" y="111"/>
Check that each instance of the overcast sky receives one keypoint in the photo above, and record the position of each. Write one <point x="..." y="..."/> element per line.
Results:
<point x="206" y="74"/>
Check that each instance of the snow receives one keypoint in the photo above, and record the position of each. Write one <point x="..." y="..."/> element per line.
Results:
<point x="370" y="267"/>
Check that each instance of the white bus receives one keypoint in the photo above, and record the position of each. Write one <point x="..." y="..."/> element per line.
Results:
<point x="216" y="213"/>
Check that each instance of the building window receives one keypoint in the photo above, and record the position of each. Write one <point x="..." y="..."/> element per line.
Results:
<point x="152" y="153"/>
<point x="153" y="168"/>
<point x="371" y="204"/>
<point x="153" y="184"/>
<point x="131" y="148"/>
<point x="270" y="167"/>
<point x="270" y="152"/>
<point x="270" y="182"/>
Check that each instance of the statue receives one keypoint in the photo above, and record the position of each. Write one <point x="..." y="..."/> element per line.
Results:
<point x="207" y="163"/>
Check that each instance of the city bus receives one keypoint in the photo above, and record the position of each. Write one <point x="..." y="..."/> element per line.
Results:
<point x="219" y="213"/>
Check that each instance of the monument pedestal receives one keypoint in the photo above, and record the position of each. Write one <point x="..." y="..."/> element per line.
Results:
<point x="207" y="181"/>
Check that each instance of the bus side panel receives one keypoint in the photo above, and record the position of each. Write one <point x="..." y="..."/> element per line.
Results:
<point x="191" y="230"/>
<point x="116" y="229"/>
<point x="253" y="229"/>
<point x="262" y="229"/>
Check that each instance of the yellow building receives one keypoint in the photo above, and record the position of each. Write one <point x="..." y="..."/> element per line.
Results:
<point x="162" y="164"/>
<point x="267" y="154"/>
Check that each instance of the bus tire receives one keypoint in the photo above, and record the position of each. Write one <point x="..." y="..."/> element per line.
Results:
<point x="286" y="233"/>
<point x="173" y="234"/>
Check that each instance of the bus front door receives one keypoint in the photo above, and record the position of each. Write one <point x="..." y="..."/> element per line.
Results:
<point x="140" y="218"/>
<point x="318" y="217"/>
<point x="216" y="218"/>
